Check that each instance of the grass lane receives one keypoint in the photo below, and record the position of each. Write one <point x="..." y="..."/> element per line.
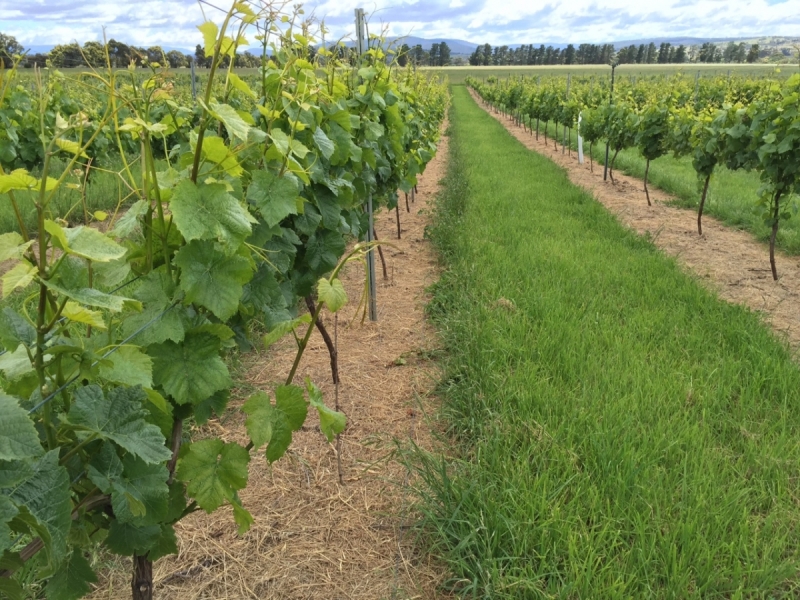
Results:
<point x="622" y="433"/>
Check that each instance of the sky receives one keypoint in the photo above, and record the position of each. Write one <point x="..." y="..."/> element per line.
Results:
<point x="172" y="23"/>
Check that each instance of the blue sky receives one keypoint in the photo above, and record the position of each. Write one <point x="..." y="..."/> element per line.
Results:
<point x="171" y="23"/>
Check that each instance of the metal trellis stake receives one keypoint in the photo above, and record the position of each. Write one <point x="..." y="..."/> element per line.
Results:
<point x="372" y="287"/>
<point x="611" y="101"/>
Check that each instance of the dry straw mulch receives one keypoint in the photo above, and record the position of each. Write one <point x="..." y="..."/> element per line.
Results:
<point x="313" y="537"/>
<point x="729" y="261"/>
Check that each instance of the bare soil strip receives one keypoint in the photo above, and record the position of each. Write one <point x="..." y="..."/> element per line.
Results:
<point x="314" y="538"/>
<point x="730" y="261"/>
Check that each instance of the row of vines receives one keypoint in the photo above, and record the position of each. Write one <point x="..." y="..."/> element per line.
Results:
<point x="723" y="122"/>
<point x="234" y="208"/>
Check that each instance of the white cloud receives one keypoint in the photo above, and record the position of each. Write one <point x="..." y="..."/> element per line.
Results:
<point x="172" y="23"/>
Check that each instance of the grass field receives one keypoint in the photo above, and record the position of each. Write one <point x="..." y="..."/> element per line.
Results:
<point x="457" y="75"/>
<point x="619" y="431"/>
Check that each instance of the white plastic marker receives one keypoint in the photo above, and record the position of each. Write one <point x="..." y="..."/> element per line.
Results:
<point x="580" y="141"/>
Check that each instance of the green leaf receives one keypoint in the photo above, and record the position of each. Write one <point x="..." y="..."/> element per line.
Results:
<point x="92" y="297"/>
<point x="212" y="279"/>
<point x="191" y="371"/>
<point x="285" y="327"/>
<point x="209" y="212"/>
<point x="128" y="366"/>
<point x="165" y="545"/>
<point x="78" y="314"/>
<point x="332" y="293"/>
<point x="215" y="150"/>
<point x="236" y="126"/>
<point x="18" y="179"/>
<point x="71" y="580"/>
<point x="156" y="293"/>
<point x="324" y="143"/>
<point x="128" y="222"/>
<point x="46" y="496"/>
<point x="259" y="420"/>
<point x="239" y="84"/>
<point x="12" y="246"/>
<point x="209" y="30"/>
<point x="289" y="400"/>
<point x="281" y="437"/>
<point x="19" y="277"/>
<point x="142" y="495"/>
<point x="331" y="423"/>
<point x="18" y="437"/>
<point x="217" y="403"/>
<point x="241" y="515"/>
<point x="85" y="242"/>
<point x="7" y="512"/>
<point x="213" y="470"/>
<point x="15" y="330"/>
<point x="128" y="538"/>
<point x="323" y="250"/>
<point x="16" y="364"/>
<point x="119" y="418"/>
<point x="273" y="196"/>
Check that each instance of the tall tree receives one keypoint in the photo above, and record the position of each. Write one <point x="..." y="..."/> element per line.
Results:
<point x="9" y="46"/>
<point x="752" y="55"/>
<point x="402" y="55"/>
<point x="444" y="54"/>
<point x="569" y="55"/>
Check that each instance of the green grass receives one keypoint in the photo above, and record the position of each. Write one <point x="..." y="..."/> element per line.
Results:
<point x="103" y="192"/>
<point x="620" y="432"/>
<point x="457" y="75"/>
<point x="732" y="195"/>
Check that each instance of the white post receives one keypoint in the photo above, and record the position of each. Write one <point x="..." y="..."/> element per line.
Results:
<point x="361" y="46"/>
<point x="580" y="141"/>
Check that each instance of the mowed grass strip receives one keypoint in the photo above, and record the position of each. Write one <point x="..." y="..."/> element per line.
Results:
<point x="620" y="432"/>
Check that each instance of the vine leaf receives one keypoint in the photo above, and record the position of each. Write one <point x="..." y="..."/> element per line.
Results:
<point x="260" y="417"/>
<point x="209" y="30"/>
<point x="7" y="512"/>
<point x="19" y="277"/>
<point x="275" y="197"/>
<point x="331" y="423"/>
<point x="96" y="298"/>
<point x="78" y="314"/>
<point x="12" y="246"/>
<point x="139" y="491"/>
<point x="156" y="294"/>
<point x="289" y="400"/>
<point x="46" y="497"/>
<point x="18" y="437"/>
<point x="209" y="212"/>
<point x="285" y="327"/>
<point x="128" y="366"/>
<point x="332" y="293"/>
<point x="15" y="330"/>
<point x="323" y="250"/>
<point x="128" y="538"/>
<point x="191" y="371"/>
<point x="85" y="242"/>
<point x="213" y="470"/>
<point x="289" y="414"/>
<point x="71" y="580"/>
<point x="119" y="418"/>
<point x="212" y="279"/>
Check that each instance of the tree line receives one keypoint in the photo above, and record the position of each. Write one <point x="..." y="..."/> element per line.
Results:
<point x="599" y="54"/>
<point x="93" y="54"/>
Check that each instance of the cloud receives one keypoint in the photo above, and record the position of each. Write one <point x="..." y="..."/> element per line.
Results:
<point x="172" y="23"/>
